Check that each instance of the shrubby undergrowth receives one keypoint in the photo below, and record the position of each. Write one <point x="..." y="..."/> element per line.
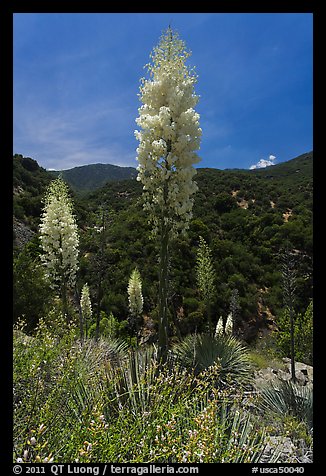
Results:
<point x="102" y="401"/>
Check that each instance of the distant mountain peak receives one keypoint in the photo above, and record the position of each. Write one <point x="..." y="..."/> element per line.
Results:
<point x="92" y="176"/>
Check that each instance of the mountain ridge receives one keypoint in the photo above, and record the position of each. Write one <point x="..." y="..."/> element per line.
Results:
<point x="86" y="178"/>
<point x="293" y="177"/>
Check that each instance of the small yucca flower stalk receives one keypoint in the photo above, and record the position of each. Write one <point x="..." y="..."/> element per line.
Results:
<point x="229" y="325"/>
<point x="219" y="327"/>
<point x="136" y="301"/>
<point x="85" y="304"/>
<point x="135" y="294"/>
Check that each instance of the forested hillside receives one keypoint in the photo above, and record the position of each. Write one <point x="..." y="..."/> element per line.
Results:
<point x="90" y="177"/>
<point x="248" y="219"/>
<point x="29" y="183"/>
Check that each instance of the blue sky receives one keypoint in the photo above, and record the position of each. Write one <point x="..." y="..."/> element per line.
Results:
<point x="76" y="80"/>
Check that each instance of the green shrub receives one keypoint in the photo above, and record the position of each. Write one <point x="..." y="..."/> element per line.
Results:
<point x="199" y="352"/>
<point x="303" y="335"/>
<point x="288" y="398"/>
<point x="110" y="327"/>
<point x="32" y="295"/>
<point x="98" y="401"/>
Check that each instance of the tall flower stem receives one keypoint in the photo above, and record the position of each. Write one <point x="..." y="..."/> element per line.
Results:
<point x="163" y="295"/>
<point x="136" y="301"/>
<point x="163" y="273"/>
<point x="168" y="137"/>
<point x="289" y="288"/>
<point x="209" y="318"/>
<point x="80" y="314"/>
<point x="64" y="300"/>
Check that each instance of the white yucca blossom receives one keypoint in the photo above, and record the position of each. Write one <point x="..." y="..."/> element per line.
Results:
<point x="229" y="325"/>
<point x="85" y="302"/>
<point x="59" y="236"/>
<point x="219" y="327"/>
<point x="169" y="135"/>
<point x="135" y="296"/>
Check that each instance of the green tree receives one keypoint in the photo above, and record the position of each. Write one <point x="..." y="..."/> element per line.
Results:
<point x="224" y="202"/>
<point x="235" y="309"/>
<point x="32" y="294"/>
<point x="302" y="335"/>
<point x="99" y="260"/>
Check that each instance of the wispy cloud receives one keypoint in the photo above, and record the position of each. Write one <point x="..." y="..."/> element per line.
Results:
<point x="62" y="138"/>
<point x="262" y="163"/>
<point x="76" y="78"/>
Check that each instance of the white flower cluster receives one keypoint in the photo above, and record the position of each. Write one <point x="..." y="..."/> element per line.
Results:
<point x="170" y="133"/>
<point x="219" y="327"/>
<point x="228" y="330"/>
<point x="229" y="324"/>
<point x="85" y="302"/>
<point x="135" y="296"/>
<point x="59" y="236"/>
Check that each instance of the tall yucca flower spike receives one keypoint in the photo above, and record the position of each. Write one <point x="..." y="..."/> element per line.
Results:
<point x="168" y="137"/>
<point x="59" y="239"/>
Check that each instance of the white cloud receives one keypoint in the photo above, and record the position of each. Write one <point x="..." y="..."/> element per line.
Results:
<point x="262" y="163"/>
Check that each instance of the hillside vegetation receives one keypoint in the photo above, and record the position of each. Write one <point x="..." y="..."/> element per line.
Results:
<point x="79" y="397"/>
<point x="90" y="177"/>
<point x="246" y="217"/>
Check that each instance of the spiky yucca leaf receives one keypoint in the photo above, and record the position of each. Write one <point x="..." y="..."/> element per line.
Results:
<point x="141" y="385"/>
<point x="199" y="352"/>
<point x="129" y="383"/>
<point x="285" y="397"/>
<point x="105" y="350"/>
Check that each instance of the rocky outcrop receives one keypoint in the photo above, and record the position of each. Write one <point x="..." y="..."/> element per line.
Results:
<point x="286" y="451"/>
<point x="303" y="373"/>
<point x="22" y="233"/>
